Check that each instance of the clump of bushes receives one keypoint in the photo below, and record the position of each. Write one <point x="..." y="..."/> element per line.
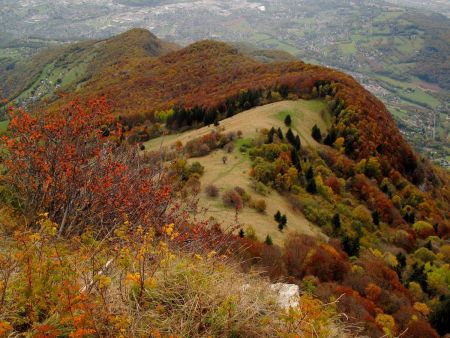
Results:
<point x="261" y="206"/>
<point x="202" y="146"/>
<point x="260" y="188"/>
<point x="232" y="199"/>
<point x="196" y="168"/>
<point x="212" y="191"/>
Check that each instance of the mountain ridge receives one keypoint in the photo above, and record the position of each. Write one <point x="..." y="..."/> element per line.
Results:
<point x="348" y="209"/>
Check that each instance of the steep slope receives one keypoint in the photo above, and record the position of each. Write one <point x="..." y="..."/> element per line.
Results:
<point x="63" y="67"/>
<point x="208" y="73"/>
<point x="347" y="173"/>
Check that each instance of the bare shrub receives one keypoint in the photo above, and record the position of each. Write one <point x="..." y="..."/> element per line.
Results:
<point x="212" y="191"/>
<point x="261" y="206"/>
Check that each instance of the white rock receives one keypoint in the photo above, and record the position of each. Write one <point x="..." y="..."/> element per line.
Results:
<point x="288" y="295"/>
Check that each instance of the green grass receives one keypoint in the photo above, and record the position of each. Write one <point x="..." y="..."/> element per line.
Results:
<point x="277" y="44"/>
<point x="3" y="125"/>
<point x="348" y="48"/>
<point x="282" y="115"/>
<point x="418" y="96"/>
<point x="258" y="37"/>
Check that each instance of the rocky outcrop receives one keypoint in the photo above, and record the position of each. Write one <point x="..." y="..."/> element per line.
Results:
<point x="288" y="295"/>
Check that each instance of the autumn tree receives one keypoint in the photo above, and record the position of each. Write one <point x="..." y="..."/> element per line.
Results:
<point x="61" y="164"/>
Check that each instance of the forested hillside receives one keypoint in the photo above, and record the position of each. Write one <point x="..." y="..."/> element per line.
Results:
<point x="103" y="227"/>
<point x="62" y="68"/>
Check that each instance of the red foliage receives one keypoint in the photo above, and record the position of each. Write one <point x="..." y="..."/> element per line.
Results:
<point x="351" y="303"/>
<point x="333" y="183"/>
<point x="61" y="164"/>
<point x="368" y="191"/>
<point x="303" y="256"/>
<point x="420" y="329"/>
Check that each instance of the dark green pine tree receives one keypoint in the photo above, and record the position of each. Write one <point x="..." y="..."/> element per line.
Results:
<point x="331" y="137"/>
<point x="376" y="218"/>
<point x="290" y="136"/>
<point x="295" y="159"/>
<point x="284" y="91"/>
<point x="283" y="221"/>
<point x="336" y="221"/>
<point x="280" y="227"/>
<point x="270" y="135"/>
<point x="419" y="275"/>
<point x="297" y="143"/>
<point x="288" y="120"/>
<point x="241" y="233"/>
<point x="351" y="246"/>
<point x="280" y="134"/>
<point x="440" y="315"/>
<point x="311" y="186"/>
<point x="268" y="240"/>
<point x="316" y="133"/>
<point x="310" y="173"/>
<point x="277" y="216"/>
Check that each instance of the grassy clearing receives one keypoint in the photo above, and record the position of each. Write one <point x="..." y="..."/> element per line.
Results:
<point x="304" y="115"/>
<point x="348" y="48"/>
<point x="235" y="172"/>
<point x="411" y="92"/>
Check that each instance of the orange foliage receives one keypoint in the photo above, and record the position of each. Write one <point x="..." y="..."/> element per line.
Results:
<point x="63" y="164"/>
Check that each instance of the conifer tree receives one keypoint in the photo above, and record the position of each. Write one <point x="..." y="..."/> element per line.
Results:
<point x="316" y="133"/>
<point x="290" y="136"/>
<point x="376" y="218"/>
<point x="280" y="134"/>
<point x="297" y="143"/>
<point x="336" y="221"/>
<point x="277" y="216"/>
<point x="284" y="91"/>
<point x="331" y="137"/>
<point x="351" y="246"/>
<point x="288" y="120"/>
<point x="241" y="233"/>
<point x="310" y="173"/>
<point x="295" y="159"/>
<point x="268" y="240"/>
<point x="283" y="221"/>
<point x="311" y="186"/>
<point x="270" y="135"/>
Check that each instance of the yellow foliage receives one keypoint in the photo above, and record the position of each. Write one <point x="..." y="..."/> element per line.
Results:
<point x="339" y="144"/>
<point x="386" y="322"/>
<point x="422" y="225"/>
<point x="362" y="214"/>
<point x="422" y="308"/>
<point x="390" y="259"/>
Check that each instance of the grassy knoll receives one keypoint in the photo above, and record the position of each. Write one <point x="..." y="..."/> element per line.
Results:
<point x="235" y="172"/>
